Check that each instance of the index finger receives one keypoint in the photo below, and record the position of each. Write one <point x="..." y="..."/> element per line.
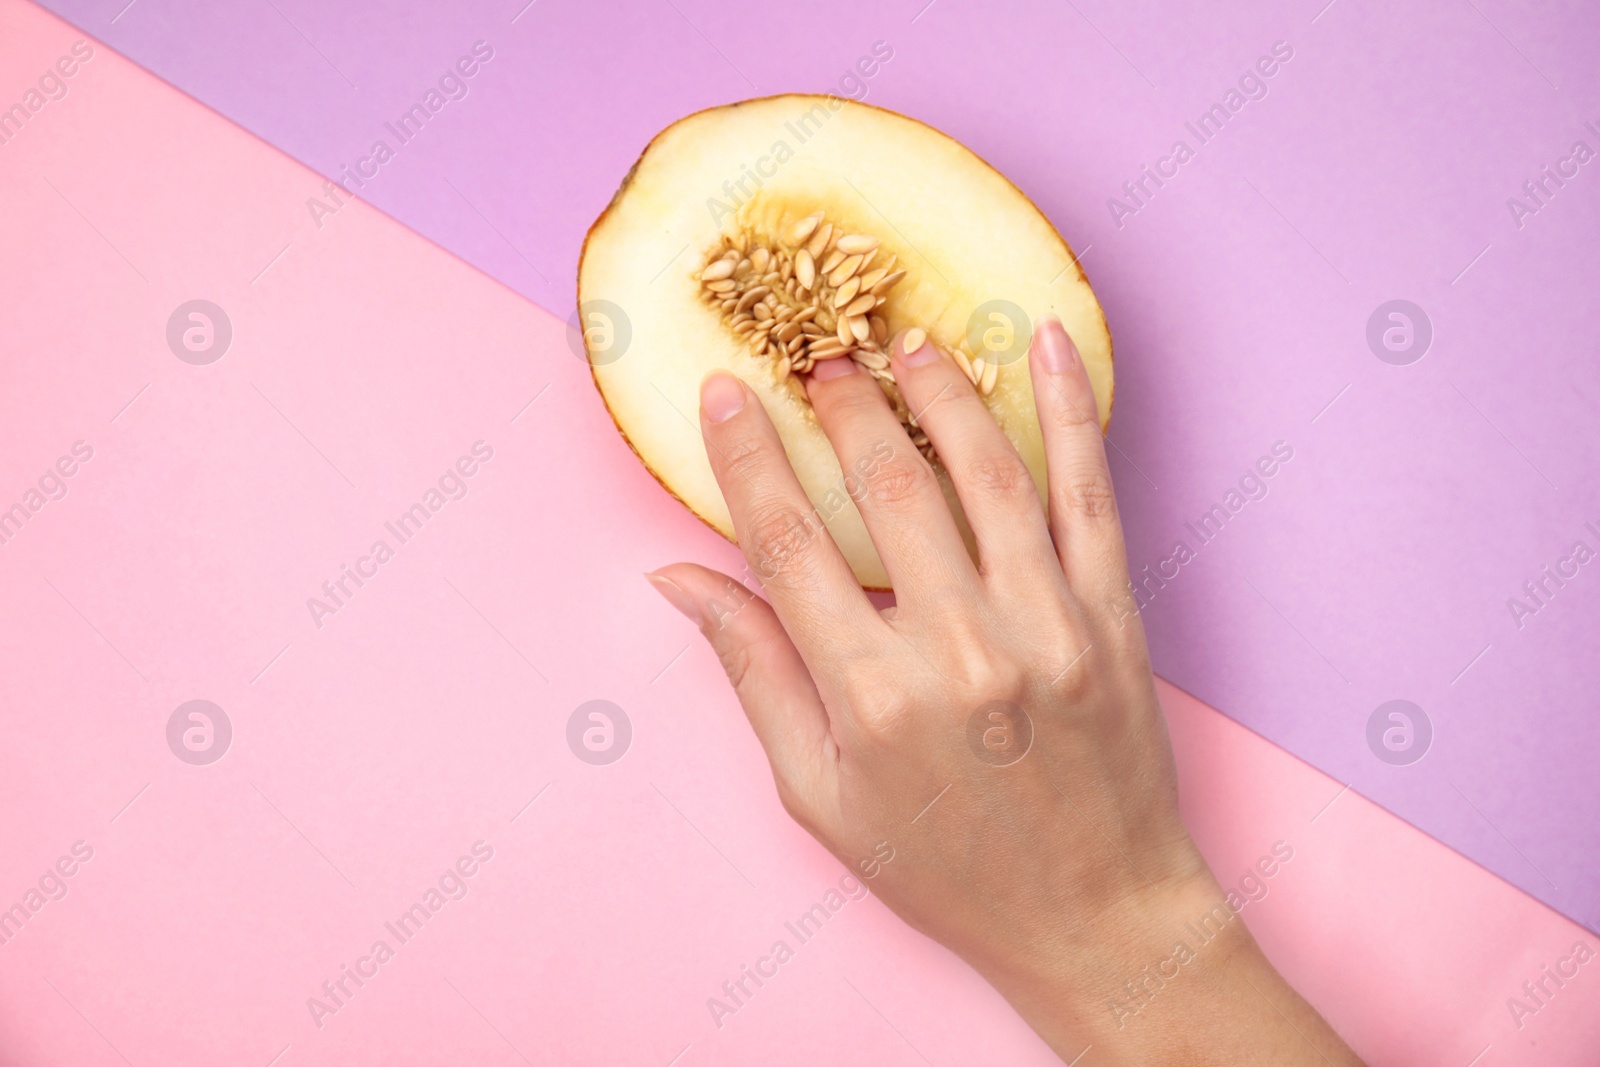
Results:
<point x="812" y="587"/>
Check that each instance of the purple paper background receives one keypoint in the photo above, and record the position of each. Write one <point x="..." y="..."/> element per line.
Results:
<point x="1419" y="499"/>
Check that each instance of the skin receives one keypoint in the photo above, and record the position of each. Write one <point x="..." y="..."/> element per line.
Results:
<point x="997" y="731"/>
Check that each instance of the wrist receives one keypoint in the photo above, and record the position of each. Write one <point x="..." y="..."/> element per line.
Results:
<point x="1175" y="950"/>
<point x="1147" y="964"/>
<point x="1168" y="974"/>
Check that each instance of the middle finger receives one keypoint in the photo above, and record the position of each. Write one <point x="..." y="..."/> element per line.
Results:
<point x="893" y="486"/>
<point x="997" y="490"/>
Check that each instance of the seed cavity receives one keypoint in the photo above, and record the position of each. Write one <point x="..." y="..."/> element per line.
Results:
<point x="818" y="294"/>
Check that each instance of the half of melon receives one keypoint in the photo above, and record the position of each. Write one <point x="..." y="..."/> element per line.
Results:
<point x="749" y="238"/>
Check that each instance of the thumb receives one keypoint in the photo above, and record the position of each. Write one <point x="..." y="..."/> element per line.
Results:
<point x="771" y="680"/>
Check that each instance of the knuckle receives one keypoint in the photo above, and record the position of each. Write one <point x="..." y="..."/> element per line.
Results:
<point x="898" y="481"/>
<point x="744" y="455"/>
<point x="881" y="726"/>
<point x="999" y="679"/>
<point x="851" y="404"/>
<point x="1002" y="477"/>
<point x="779" y="535"/>
<point x="735" y="660"/>
<point x="1089" y="496"/>
<point x="881" y="713"/>
<point x="1073" y="413"/>
<point x="965" y="400"/>
<point x="1070" y="673"/>
<point x="986" y="675"/>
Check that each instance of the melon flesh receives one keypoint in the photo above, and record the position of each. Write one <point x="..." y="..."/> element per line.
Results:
<point x="746" y="173"/>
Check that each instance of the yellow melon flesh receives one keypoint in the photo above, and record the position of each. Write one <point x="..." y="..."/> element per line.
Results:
<point x="745" y="174"/>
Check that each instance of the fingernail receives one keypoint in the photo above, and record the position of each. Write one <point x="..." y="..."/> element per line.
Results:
<point x="1054" y="350"/>
<point x="829" y="369"/>
<point x="674" y="595"/>
<point x="915" y="351"/>
<point x="721" y="396"/>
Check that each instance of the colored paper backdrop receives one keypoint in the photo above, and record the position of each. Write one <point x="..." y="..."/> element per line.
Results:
<point x="214" y="489"/>
<point x="1428" y="155"/>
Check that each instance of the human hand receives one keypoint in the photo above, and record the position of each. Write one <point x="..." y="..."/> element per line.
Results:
<point x="996" y="732"/>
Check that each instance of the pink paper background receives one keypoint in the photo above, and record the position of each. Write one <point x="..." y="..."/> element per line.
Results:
<point x="369" y="754"/>
<point x="1378" y="166"/>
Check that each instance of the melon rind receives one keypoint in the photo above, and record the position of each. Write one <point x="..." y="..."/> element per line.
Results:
<point x="963" y="233"/>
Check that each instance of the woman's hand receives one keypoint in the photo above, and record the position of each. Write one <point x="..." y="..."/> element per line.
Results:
<point x="988" y="755"/>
